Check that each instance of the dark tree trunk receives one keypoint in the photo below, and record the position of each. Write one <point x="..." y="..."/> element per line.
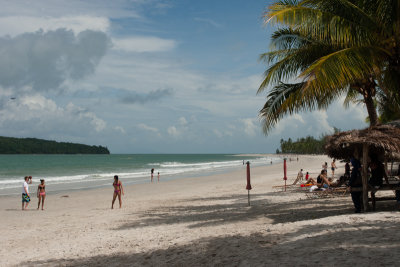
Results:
<point x="373" y="116"/>
<point x="367" y="89"/>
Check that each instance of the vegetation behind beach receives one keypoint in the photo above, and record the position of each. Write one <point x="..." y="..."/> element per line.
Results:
<point x="10" y="145"/>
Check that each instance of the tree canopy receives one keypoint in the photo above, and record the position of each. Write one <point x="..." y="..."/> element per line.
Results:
<point x="10" y="145"/>
<point x="324" y="49"/>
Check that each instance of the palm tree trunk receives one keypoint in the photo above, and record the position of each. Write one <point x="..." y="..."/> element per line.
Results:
<point x="369" y="103"/>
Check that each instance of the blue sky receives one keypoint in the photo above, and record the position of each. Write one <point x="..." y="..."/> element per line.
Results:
<point x="144" y="76"/>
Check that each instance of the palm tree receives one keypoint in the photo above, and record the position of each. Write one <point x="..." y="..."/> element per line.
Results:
<point x="330" y="47"/>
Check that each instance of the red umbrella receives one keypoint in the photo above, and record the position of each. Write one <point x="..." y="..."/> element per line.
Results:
<point x="248" y="186"/>
<point x="284" y="172"/>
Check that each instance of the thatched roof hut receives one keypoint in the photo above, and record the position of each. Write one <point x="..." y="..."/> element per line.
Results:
<point x="382" y="140"/>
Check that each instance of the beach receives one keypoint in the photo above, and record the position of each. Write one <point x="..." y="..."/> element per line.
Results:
<point x="200" y="221"/>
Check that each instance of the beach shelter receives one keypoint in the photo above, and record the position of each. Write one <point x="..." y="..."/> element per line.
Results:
<point x="381" y="140"/>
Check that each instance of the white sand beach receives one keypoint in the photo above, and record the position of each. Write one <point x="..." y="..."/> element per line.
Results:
<point x="203" y="221"/>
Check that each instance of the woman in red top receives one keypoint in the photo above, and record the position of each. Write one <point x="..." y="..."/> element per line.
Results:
<point x="118" y="189"/>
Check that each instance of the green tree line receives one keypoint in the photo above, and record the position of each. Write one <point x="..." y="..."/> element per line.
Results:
<point x="10" y="145"/>
<point x="304" y="145"/>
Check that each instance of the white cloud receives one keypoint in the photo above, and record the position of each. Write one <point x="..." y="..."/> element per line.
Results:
<point x="173" y="131"/>
<point x="120" y="129"/>
<point x="221" y="134"/>
<point x="142" y="44"/>
<point x="15" y="25"/>
<point x="54" y="8"/>
<point x="44" y="61"/>
<point x="209" y="22"/>
<point x="183" y="121"/>
<point x="147" y="128"/>
<point x="38" y="116"/>
<point x="250" y="126"/>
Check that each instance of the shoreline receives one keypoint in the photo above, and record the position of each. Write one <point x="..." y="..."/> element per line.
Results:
<point x="199" y="222"/>
<point x="136" y="176"/>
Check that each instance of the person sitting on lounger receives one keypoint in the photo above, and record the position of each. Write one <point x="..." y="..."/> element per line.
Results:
<point x="322" y="180"/>
<point x="299" y="177"/>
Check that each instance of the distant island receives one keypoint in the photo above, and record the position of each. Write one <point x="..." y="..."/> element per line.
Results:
<point x="11" y="145"/>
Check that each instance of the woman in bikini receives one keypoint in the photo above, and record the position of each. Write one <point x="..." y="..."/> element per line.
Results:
<point x="41" y="193"/>
<point x="118" y="189"/>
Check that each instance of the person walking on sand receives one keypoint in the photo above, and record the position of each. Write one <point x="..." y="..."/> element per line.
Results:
<point x="41" y="193"/>
<point x="158" y="176"/>
<point x="333" y="167"/>
<point x="118" y="189"/>
<point x="152" y="174"/>
<point x="25" y="192"/>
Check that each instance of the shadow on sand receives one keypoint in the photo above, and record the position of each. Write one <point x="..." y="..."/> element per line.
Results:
<point x="345" y="247"/>
<point x="361" y="244"/>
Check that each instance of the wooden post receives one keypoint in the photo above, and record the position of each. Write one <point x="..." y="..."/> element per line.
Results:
<point x="365" y="176"/>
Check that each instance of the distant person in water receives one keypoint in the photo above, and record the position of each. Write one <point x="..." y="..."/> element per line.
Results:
<point x="41" y="193"/>
<point x="158" y="176"/>
<point x="118" y="189"/>
<point x="152" y="174"/>
<point x="25" y="192"/>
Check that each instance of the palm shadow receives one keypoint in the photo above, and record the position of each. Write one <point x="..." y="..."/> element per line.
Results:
<point x="363" y="244"/>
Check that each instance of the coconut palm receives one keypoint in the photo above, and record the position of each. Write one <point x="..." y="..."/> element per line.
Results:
<point x="330" y="47"/>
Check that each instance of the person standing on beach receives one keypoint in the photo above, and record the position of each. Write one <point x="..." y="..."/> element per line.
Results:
<point x="152" y="174"/>
<point x="158" y="176"/>
<point x="41" y="193"/>
<point x="25" y="192"/>
<point x="118" y="189"/>
<point x="333" y="167"/>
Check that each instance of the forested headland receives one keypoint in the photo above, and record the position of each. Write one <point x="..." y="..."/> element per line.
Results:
<point x="11" y="145"/>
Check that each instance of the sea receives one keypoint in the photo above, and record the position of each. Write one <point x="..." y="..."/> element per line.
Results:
<point x="80" y="172"/>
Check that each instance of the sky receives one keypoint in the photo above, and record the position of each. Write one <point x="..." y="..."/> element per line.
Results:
<point x="145" y="76"/>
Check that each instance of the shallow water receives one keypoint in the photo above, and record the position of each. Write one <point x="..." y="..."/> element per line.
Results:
<point x="67" y="172"/>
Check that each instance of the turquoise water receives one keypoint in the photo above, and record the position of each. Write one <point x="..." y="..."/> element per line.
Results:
<point x="63" y="172"/>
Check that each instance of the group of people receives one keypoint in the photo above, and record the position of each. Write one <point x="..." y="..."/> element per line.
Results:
<point x="152" y="175"/>
<point x="41" y="193"/>
<point x="352" y="178"/>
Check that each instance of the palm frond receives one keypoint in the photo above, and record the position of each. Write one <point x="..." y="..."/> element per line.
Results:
<point x="342" y="68"/>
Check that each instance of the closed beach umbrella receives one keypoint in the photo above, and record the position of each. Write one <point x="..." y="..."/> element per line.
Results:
<point x="248" y="186"/>
<point x="284" y="172"/>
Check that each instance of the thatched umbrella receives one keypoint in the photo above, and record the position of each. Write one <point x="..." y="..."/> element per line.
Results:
<point x="382" y="141"/>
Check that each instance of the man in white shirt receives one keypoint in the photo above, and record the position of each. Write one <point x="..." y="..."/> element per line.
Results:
<point x="25" y="192"/>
